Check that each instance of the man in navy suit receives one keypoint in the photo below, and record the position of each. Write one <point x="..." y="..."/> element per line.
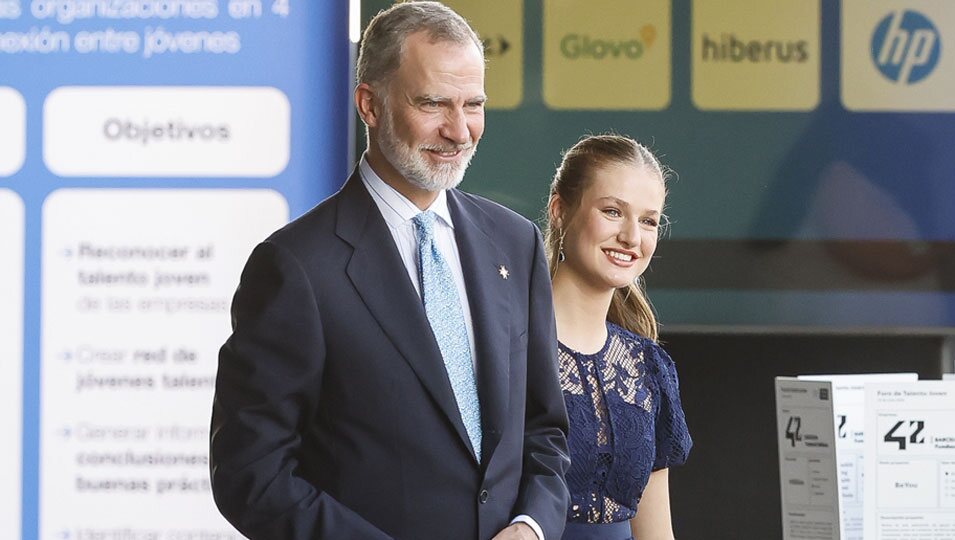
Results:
<point x="392" y="371"/>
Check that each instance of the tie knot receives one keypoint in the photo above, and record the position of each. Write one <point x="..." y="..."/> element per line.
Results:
<point x="424" y="224"/>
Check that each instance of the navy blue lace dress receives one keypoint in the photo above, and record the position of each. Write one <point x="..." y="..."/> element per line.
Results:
<point x="626" y="421"/>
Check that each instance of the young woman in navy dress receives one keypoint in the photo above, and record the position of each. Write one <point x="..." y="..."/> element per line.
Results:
<point x="626" y="422"/>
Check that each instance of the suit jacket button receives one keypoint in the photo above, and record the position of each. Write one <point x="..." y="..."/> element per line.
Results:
<point x="484" y="496"/>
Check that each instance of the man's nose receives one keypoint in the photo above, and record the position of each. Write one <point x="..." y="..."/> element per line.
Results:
<point x="455" y="127"/>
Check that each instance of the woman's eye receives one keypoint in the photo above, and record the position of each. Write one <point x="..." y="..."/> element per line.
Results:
<point x="650" y="222"/>
<point x="612" y="212"/>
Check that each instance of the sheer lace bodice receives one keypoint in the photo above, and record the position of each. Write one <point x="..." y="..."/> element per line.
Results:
<point x="626" y="420"/>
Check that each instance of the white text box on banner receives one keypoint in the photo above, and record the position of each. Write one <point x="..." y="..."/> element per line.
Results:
<point x="136" y="289"/>
<point x="166" y="131"/>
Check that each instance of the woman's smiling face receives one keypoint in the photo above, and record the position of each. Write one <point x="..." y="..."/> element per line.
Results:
<point x="613" y="233"/>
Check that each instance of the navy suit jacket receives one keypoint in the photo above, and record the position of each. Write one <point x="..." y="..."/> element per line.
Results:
<point x="334" y="417"/>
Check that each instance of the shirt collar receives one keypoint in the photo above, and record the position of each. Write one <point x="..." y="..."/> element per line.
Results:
<point x="395" y="207"/>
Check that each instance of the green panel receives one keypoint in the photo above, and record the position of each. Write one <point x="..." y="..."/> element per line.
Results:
<point x="724" y="161"/>
<point x="820" y="218"/>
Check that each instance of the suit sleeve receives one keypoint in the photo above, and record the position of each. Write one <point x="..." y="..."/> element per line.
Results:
<point x="268" y="384"/>
<point x="543" y="494"/>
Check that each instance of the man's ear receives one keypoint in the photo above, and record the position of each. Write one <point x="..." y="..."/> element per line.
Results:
<point x="368" y="105"/>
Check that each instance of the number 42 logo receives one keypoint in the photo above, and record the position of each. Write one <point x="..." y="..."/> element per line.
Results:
<point x="793" y="428"/>
<point x="900" y="433"/>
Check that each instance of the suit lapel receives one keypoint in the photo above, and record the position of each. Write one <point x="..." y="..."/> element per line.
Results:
<point x="379" y="275"/>
<point x="488" y="294"/>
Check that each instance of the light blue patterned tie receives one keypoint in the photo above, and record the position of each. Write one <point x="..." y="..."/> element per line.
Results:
<point x="441" y="304"/>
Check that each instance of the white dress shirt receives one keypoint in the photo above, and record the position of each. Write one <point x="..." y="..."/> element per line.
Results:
<point x="398" y="212"/>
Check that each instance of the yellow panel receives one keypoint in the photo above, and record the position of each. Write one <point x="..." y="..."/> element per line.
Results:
<point x="606" y="54"/>
<point x="756" y="54"/>
<point x="500" y="23"/>
<point x="908" y="66"/>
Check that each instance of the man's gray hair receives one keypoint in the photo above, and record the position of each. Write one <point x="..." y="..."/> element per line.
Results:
<point x="383" y="40"/>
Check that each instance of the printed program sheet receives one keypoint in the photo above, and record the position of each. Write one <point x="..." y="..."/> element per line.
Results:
<point x="910" y="461"/>
<point x="807" y="459"/>
<point x="848" y="406"/>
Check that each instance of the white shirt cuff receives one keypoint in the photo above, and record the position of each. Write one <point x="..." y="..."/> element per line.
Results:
<point x="523" y="518"/>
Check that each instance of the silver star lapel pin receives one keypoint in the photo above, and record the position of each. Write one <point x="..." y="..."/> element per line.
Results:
<point x="503" y="271"/>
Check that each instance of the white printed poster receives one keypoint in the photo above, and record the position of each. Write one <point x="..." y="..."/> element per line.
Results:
<point x="137" y="286"/>
<point x="910" y="461"/>
<point x="807" y="459"/>
<point x="848" y="404"/>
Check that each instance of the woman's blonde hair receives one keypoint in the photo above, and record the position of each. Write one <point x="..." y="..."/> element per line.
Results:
<point x="629" y="307"/>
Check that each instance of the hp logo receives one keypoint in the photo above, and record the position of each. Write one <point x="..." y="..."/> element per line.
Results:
<point x="906" y="46"/>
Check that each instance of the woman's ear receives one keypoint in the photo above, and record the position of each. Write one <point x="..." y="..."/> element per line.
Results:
<point x="555" y="211"/>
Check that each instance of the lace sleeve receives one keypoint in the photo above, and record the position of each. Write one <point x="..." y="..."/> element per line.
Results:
<point x="673" y="440"/>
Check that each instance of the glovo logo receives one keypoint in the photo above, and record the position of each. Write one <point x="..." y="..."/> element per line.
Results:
<point x="583" y="46"/>
<point x="906" y="46"/>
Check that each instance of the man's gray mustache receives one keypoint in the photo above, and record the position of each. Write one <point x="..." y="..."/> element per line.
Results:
<point x="455" y="148"/>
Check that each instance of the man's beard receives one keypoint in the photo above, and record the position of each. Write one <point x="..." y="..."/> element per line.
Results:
<point x="411" y="164"/>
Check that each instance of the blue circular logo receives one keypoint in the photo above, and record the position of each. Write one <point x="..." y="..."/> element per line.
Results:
<point x="906" y="46"/>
